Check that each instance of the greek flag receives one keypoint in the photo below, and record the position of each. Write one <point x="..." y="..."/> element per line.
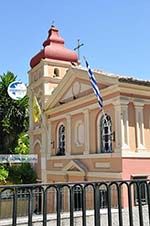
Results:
<point x="94" y="85"/>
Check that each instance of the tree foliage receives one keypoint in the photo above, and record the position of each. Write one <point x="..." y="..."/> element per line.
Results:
<point x="14" y="121"/>
<point x="13" y="116"/>
<point x="22" y="174"/>
<point x="22" y="144"/>
<point x="3" y="174"/>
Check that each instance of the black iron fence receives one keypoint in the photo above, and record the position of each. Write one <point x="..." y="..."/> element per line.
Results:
<point x="109" y="203"/>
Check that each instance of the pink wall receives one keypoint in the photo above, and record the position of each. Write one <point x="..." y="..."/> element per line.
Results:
<point x="135" y="167"/>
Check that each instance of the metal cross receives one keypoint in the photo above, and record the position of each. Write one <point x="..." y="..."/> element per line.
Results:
<point x="53" y="23"/>
<point x="78" y="48"/>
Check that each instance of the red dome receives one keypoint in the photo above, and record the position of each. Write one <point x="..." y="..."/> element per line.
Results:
<point x="54" y="49"/>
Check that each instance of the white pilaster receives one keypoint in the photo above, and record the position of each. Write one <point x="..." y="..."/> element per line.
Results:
<point x="44" y="149"/>
<point x="139" y="125"/>
<point x="121" y="125"/>
<point x="68" y="133"/>
<point x="43" y="168"/>
<point x="125" y="125"/>
<point x="87" y="132"/>
<point x="43" y="156"/>
<point x="45" y="70"/>
<point x="118" y="125"/>
<point x="49" y="141"/>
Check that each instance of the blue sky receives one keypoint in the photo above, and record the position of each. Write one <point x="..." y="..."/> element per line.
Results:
<point x="115" y="33"/>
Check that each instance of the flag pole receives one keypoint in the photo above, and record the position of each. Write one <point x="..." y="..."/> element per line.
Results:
<point x="95" y="88"/>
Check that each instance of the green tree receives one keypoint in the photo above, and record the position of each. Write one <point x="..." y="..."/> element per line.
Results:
<point x="13" y="116"/>
<point x="22" y="144"/>
<point x="14" y="121"/>
<point x="3" y="174"/>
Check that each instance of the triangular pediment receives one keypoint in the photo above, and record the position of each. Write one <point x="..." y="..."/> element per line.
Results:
<point x="75" y="85"/>
<point x="75" y="166"/>
<point x="77" y="89"/>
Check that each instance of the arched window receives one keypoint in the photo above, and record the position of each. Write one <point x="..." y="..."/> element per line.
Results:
<point x="61" y="140"/>
<point x="56" y="72"/>
<point x="106" y="134"/>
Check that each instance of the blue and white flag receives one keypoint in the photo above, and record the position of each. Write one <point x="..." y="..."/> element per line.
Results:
<point x="94" y="85"/>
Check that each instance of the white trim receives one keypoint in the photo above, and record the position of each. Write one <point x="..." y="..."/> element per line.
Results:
<point x="77" y="111"/>
<point x="49" y="62"/>
<point x="49" y="138"/>
<point x="43" y="165"/>
<point x="68" y="135"/>
<point x="136" y="154"/>
<point x="69" y="105"/>
<point x="96" y="156"/>
<point x="64" y="173"/>
<point x="98" y="131"/>
<point x="125" y="125"/>
<point x="37" y="141"/>
<point x="86" y="131"/>
<point x="105" y="175"/>
<point x="89" y="174"/>
<point x="118" y="154"/>
<point x="115" y="100"/>
<point x="139" y="125"/>
<point x="45" y="68"/>
<point x="141" y="175"/>
<point x="121" y="124"/>
<point x="73" y="164"/>
<point x="118" y="132"/>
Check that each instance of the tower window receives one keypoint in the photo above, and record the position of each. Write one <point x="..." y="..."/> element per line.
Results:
<point x="56" y="72"/>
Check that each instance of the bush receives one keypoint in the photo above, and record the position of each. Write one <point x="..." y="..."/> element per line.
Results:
<point x="22" y="174"/>
<point x="3" y="174"/>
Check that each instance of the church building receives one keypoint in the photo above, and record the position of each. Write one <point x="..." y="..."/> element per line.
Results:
<point x="74" y="139"/>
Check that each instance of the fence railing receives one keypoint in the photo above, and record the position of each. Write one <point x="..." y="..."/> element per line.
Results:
<point x="130" y="199"/>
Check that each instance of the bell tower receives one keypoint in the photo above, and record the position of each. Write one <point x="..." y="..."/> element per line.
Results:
<point x="48" y="67"/>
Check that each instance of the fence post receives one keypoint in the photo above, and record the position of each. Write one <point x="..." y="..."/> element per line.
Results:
<point x="30" y="207"/>
<point x="14" y="216"/>
<point x="96" y="205"/>
<point x="44" y="207"/>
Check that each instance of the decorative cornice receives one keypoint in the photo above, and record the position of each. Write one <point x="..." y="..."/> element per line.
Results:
<point x="89" y="156"/>
<point x="136" y="154"/>
<point x="105" y="175"/>
<point x="134" y="81"/>
<point x="81" y="101"/>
